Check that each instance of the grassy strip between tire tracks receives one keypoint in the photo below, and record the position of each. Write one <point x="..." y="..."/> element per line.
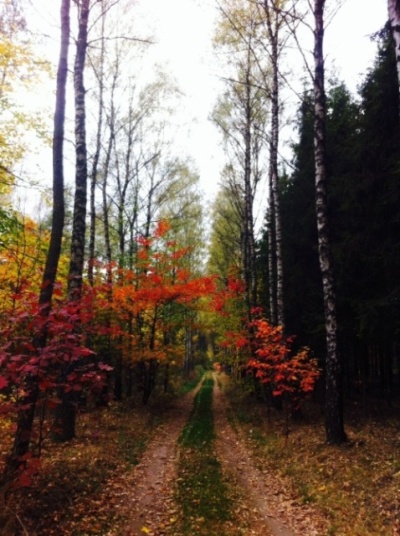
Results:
<point x="204" y="497"/>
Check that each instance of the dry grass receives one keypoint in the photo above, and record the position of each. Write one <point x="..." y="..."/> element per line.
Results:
<point x="356" y="485"/>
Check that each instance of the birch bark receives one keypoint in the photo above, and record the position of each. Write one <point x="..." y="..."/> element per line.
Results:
<point x="273" y="316"/>
<point x="335" y="433"/>
<point x="273" y="24"/>
<point x="249" y="246"/>
<point x="66" y="411"/>
<point x="96" y="156"/>
<point x="394" y="20"/>
<point x="81" y="171"/>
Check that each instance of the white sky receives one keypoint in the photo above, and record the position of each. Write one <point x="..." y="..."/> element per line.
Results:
<point x="184" y="29"/>
<point x="347" y="41"/>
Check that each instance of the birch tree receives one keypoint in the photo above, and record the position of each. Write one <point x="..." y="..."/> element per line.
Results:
<point x="333" y="368"/>
<point x="98" y="69"/>
<point x="274" y="21"/>
<point x="394" y="21"/>
<point x="241" y="116"/>
<point x="66" y="411"/>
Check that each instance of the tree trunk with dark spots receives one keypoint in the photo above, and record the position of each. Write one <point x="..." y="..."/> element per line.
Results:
<point x="394" y="21"/>
<point x="335" y="433"/>
<point x="26" y="415"/>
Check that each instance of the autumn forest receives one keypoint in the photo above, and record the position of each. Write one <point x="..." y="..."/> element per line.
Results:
<point x="170" y="366"/>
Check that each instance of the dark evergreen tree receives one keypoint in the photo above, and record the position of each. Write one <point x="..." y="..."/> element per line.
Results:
<point x="303" y="298"/>
<point x="371" y="242"/>
<point x="362" y="161"/>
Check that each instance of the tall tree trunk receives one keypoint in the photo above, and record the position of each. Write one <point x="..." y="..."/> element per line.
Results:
<point x="81" y="172"/>
<point x="96" y="158"/>
<point x="335" y="433"/>
<point x="249" y="245"/>
<point x="273" y="316"/>
<point x="273" y="36"/>
<point x="23" y="432"/>
<point x="106" y="222"/>
<point x="394" y="20"/>
<point x="188" y="358"/>
<point x="66" y="414"/>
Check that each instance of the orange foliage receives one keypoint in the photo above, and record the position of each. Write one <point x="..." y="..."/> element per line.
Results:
<point x="151" y="302"/>
<point x="264" y="350"/>
<point x="274" y="362"/>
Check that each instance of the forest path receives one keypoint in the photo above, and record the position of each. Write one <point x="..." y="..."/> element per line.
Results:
<point x="265" y="500"/>
<point x="273" y="503"/>
<point x="151" y="509"/>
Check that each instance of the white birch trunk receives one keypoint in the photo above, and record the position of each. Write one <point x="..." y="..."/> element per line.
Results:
<point x="249" y="245"/>
<point x="66" y="410"/>
<point x="333" y="370"/>
<point x="273" y="34"/>
<point x="96" y="157"/>
<point x="271" y="258"/>
<point x="81" y="171"/>
<point x="394" y="20"/>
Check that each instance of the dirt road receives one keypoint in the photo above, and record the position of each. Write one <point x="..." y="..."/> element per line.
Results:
<point x="266" y="499"/>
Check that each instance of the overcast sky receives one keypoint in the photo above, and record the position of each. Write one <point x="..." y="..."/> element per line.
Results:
<point x="183" y="30"/>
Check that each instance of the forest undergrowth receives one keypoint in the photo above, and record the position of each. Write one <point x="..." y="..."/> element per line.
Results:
<point x="82" y="485"/>
<point x="355" y="485"/>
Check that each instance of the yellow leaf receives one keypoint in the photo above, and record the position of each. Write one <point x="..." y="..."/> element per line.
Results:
<point x="146" y="530"/>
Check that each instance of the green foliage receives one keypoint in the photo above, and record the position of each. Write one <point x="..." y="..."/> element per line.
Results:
<point x="190" y="382"/>
<point x="9" y="225"/>
<point x="224" y="249"/>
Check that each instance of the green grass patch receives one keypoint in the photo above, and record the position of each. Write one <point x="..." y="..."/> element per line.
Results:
<point x="199" y="430"/>
<point x="201" y="492"/>
<point x="189" y="382"/>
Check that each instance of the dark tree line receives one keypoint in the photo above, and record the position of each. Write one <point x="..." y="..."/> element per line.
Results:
<point x="362" y="166"/>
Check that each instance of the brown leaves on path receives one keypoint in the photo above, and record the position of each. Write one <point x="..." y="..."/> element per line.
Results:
<point x="150" y="508"/>
<point x="269" y="497"/>
<point x="91" y="486"/>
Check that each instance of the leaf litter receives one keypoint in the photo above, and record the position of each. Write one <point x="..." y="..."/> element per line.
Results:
<point x="95" y="486"/>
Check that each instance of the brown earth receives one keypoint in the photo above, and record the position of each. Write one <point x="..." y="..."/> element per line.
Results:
<point x="276" y="511"/>
<point x="267" y="503"/>
<point x="151" y="509"/>
<point x="74" y="496"/>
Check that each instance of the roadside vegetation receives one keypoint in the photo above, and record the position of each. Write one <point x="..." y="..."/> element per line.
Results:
<point x="355" y="485"/>
<point x="81" y="486"/>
